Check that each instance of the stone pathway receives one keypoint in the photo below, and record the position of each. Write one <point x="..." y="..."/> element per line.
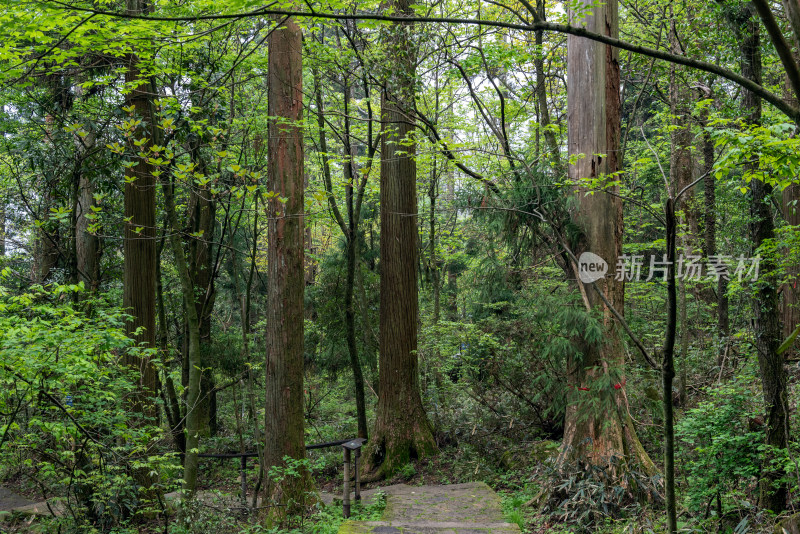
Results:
<point x="11" y="502"/>
<point x="367" y="496"/>
<point x="471" y="508"/>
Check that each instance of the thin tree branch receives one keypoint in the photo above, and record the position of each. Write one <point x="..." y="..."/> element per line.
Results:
<point x="774" y="99"/>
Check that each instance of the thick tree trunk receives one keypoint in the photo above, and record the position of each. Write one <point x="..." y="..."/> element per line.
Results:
<point x="765" y="305"/>
<point x="402" y="431"/>
<point x="790" y="303"/>
<point x="284" y="336"/>
<point x="139" y="244"/>
<point x="790" y="293"/>
<point x="590" y="434"/>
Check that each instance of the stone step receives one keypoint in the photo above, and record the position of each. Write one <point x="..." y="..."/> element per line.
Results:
<point x="367" y="495"/>
<point x="426" y="527"/>
<point x="471" y="508"/>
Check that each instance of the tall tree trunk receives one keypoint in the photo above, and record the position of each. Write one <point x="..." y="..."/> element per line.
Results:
<point x="193" y="414"/>
<point x="765" y="305"/>
<point x="541" y="93"/>
<point x="202" y="219"/>
<point x="284" y="336"/>
<point x="668" y="365"/>
<point x="349" y="229"/>
<point x="350" y="327"/>
<point x="681" y="171"/>
<point x="172" y="407"/>
<point x="434" y="261"/>
<point x="710" y="237"/>
<point x="402" y="431"/>
<point x="139" y="244"/>
<point x="790" y="301"/>
<point x="47" y="241"/>
<point x="311" y="262"/>
<point x="594" y="130"/>
<point x="87" y="245"/>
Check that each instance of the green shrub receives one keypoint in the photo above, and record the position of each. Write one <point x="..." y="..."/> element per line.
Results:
<point x="66" y="400"/>
<point x="720" y="454"/>
<point x="407" y="471"/>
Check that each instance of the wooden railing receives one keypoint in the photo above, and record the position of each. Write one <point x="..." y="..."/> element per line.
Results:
<point x="352" y="451"/>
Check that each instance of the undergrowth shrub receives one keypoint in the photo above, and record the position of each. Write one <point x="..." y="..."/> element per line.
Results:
<point x="721" y="449"/>
<point x="65" y="410"/>
<point x="586" y="496"/>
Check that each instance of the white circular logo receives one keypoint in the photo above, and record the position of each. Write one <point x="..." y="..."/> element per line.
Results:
<point x="591" y="267"/>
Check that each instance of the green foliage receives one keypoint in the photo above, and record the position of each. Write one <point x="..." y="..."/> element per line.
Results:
<point x="407" y="471"/>
<point x="65" y="404"/>
<point x="771" y="145"/>
<point x="516" y="505"/>
<point x="720" y="454"/>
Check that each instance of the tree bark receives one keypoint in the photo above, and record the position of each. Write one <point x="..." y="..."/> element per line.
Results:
<point x="139" y="244"/>
<point x="765" y="305"/>
<point x="668" y="368"/>
<point x="790" y="303"/>
<point x="87" y="245"/>
<point x="710" y="236"/>
<point x="402" y="431"/>
<point x="592" y="435"/>
<point x="790" y="206"/>
<point x="681" y="172"/>
<point x="284" y="336"/>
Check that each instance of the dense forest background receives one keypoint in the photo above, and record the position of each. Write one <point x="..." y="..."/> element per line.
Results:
<point x="231" y="227"/>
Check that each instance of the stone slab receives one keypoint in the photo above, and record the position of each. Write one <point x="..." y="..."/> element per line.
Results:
<point x="471" y="508"/>
<point x="10" y="500"/>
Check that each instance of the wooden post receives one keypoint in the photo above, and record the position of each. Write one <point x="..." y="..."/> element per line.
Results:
<point x="243" y="468"/>
<point x="358" y="477"/>
<point x="346" y="495"/>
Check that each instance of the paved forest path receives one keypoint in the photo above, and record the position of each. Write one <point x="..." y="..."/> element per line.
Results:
<point x="471" y="508"/>
<point x="11" y="502"/>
